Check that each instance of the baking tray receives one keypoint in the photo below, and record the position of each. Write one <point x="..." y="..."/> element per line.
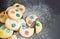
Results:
<point x="48" y="12"/>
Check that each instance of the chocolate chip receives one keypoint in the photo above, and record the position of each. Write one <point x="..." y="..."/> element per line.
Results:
<point x="17" y="5"/>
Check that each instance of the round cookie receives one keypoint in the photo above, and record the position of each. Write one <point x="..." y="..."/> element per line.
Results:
<point x="23" y="23"/>
<point x="3" y="17"/>
<point x="13" y="37"/>
<point x="20" y="7"/>
<point x="12" y="24"/>
<point x="14" y="13"/>
<point x="30" y="19"/>
<point x="4" y="32"/>
<point x="26" y="32"/>
<point x="38" y="27"/>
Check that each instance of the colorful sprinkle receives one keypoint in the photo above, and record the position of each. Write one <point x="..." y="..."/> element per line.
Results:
<point x="31" y="17"/>
<point x="29" y="21"/>
<point x="17" y="10"/>
<point x="18" y="15"/>
<point x="37" y="24"/>
<point x="13" y="25"/>
<point x="3" y="28"/>
<point x="7" y="31"/>
<point x="21" y="9"/>
<point x="1" y="33"/>
<point x="26" y="32"/>
<point x="23" y="25"/>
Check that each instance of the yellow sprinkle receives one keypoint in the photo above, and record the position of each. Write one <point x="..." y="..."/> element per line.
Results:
<point x="1" y="33"/>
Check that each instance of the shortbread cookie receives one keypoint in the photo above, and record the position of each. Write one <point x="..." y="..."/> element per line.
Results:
<point x="3" y="17"/>
<point x="12" y="24"/>
<point x="23" y="23"/>
<point x="26" y="32"/>
<point x="38" y="27"/>
<point x="30" y="19"/>
<point x="20" y="7"/>
<point x="14" y="13"/>
<point x="13" y="37"/>
<point x="4" y="32"/>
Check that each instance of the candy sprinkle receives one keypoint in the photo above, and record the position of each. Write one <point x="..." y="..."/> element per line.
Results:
<point x="37" y="24"/>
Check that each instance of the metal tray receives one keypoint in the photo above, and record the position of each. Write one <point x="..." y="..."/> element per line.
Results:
<point x="48" y="12"/>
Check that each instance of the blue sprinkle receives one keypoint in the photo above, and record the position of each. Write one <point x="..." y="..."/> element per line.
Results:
<point x="7" y="31"/>
<point x="31" y="17"/>
<point x="23" y="25"/>
<point x="13" y="25"/>
<point x="17" y="15"/>
<point x="3" y="28"/>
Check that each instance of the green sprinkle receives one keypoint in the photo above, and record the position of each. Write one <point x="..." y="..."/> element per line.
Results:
<point x="37" y="24"/>
<point x="17" y="10"/>
<point x="7" y="31"/>
<point x="3" y="28"/>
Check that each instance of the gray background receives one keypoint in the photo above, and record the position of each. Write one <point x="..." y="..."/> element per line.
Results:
<point x="48" y="12"/>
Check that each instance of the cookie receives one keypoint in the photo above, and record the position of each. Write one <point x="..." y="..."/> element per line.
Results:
<point x="38" y="27"/>
<point x="20" y="7"/>
<point x="12" y="24"/>
<point x="13" y="37"/>
<point x="23" y="23"/>
<point x="30" y="19"/>
<point x="14" y="13"/>
<point x="4" y="32"/>
<point x="3" y="17"/>
<point x="26" y="32"/>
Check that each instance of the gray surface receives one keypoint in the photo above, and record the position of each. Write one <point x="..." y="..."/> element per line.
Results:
<point x="47" y="15"/>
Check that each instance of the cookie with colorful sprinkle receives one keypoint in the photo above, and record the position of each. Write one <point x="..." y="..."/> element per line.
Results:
<point x="26" y="32"/>
<point x="4" y="32"/>
<point x="38" y="27"/>
<point x="12" y="24"/>
<point x="30" y="19"/>
<point x="15" y="12"/>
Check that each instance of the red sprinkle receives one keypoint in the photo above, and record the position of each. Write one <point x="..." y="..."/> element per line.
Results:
<point x="21" y="9"/>
<point x="29" y="21"/>
<point x="26" y="32"/>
